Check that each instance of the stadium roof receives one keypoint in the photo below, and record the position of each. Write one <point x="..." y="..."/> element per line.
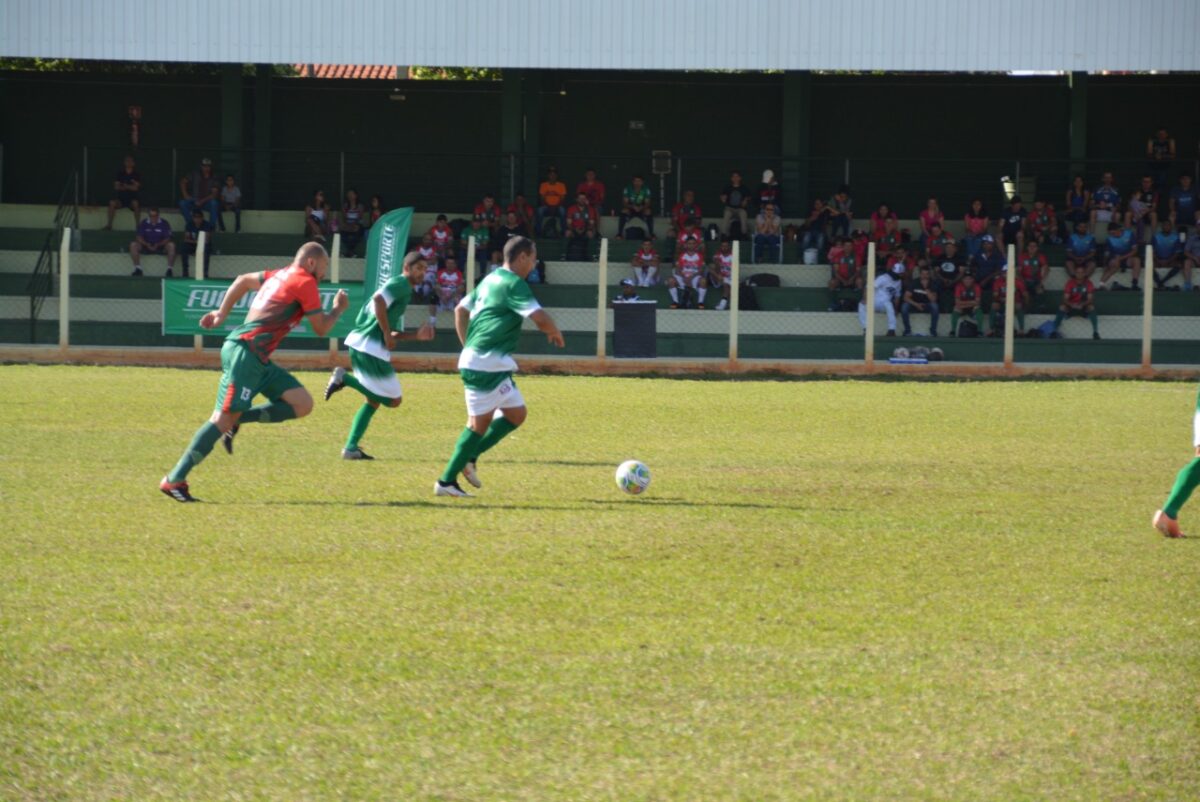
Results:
<point x="893" y="35"/>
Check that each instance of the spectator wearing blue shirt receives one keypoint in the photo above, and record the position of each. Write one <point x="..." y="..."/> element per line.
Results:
<point x="1106" y="201"/>
<point x="153" y="236"/>
<point x="1185" y="202"/>
<point x="1122" y="254"/>
<point x="988" y="263"/>
<point x="1168" y="253"/>
<point x="1081" y="250"/>
<point x="1191" y="256"/>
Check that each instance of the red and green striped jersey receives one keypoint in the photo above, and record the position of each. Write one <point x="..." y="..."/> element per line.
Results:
<point x="285" y="298"/>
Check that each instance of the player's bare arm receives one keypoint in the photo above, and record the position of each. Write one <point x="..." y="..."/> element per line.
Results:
<point x="462" y="318"/>
<point x="546" y="325"/>
<point x="323" y="322"/>
<point x="247" y="282"/>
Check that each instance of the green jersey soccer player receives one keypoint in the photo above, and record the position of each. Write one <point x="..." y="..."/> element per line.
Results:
<point x="380" y="324"/>
<point x="488" y="322"/>
<point x="1166" y="520"/>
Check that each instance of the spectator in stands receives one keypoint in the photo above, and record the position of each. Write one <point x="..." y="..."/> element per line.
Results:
<point x="720" y="273"/>
<point x="930" y="216"/>
<point x="767" y="232"/>
<point x="594" y="189"/>
<point x="127" y="185"/>
<point x="1078" y="206"/>
<point x="1106" y="201"/>
<point x="200" y="189"/>
<point x="690" y="230"/>
<point x="429" y="253"/>
<point x="1000" y="302"/>
<point x="153" y="236"/>
<point x="1168" y="255"/>
<point x="317" y="217"/>
<point x="888" y="287"/>
<point x="684" y="212"/>
<point x="494" y="263"/>
<point x="1122" y="254"/>
<point x="1042" y="223"/>
<point x="581" y="228"/>
<point x="442" y="236"/>
<point x="1082" y="250"/>
<point x="1142" y="216"/>
<point x="1160" y="150"/>
<point x="815" y="226"/>
<point x="636" y="205"/>
<point x="879" y="220"/>
<point x="841" y="211"/>
<point x="1184" y="204"/>
<point x="1033" y="268"/>
<point x="688" y="278"/>
<point x="523" y="210"/>
<point x="889" y="239"/>
<point x="376" y="210"/>
<point x="968" y="302"/>
<point x="628" y="292"/>
<point x="351" y="225"/>
<point x="551" y="194"/>
<point x="899" y="257"/>
<point x="191" y="239"/>
<point x="1191" y="254"/>
<point x="948" y="271"/>
<point x="920" y="296"/>
<point x="735" y="199"/>
<point x="770" y="193"/>
<point x="845" y="271"/>
<point x="1079" y="297"/>
<point x="1012" y="228"/>
<point x="487" y="211"/>
<point x="936" y="243"/>
<point x="478" y="232"/>
<point x="988" y="263"/>
<point x="645" y="264"/>
<point x="513" y="226"/>
<point x="231" y="201"/>
<point x="448" y="286"/>
<point x="976" y="223"/>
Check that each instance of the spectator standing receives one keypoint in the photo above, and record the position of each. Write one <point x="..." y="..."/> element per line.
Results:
<point x="636" y="205"/>
<point x="1078" y="205"/>
<point x="1142" y="216"/>
<point x="127" y="186"/>
<point x="231" y="201"/>
<point x="1082" y="250"/>
<point x="593" y="189"/>
<point x="720" y="273"/>
<point x="1184" y="204"/>
<point x="153" y="236"/>
<point x="353" y="223"/>
<point x="1160" y="150"/>
<point x="1033" y="268"/>
<point x="1000" y="303"/>
<point x="770" y="193"/>
<point x="1122" y="254"/>
<point x="1012" y="230"/>
<point x="523" y="210"/>
<point x="1168" y="254"/>
<point x="1106" y="201"/>
<point x="200" y="189"/>
<point x="930" y="216"/>
<point x="735" y="199"/>
<point x="767" y="232"/>
<point x="191" y="240"/>
<point x="645" y="264"/>
<point x="317" y="217"/>
<point x="1079" y="297"/>
<point x="920" y="296"/>
<point x="684" y="212"/>
<point x="968" y="302"/>
<point x="976" y="223"/>
<point x="815" y="226"/>
<point x="841" y="211"/>
<point x="551" y="194"/>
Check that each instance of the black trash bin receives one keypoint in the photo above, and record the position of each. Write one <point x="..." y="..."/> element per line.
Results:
<point x="634" y="330"/>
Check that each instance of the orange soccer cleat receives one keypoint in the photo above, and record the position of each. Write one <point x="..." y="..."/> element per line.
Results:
<point x="1167" y="525"/>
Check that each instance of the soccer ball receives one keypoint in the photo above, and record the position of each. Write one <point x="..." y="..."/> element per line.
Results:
<point x="633" y="477"/>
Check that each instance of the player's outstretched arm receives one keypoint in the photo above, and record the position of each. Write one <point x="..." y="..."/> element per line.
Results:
<point x="323" y="322"/>
<point x="545" y="323"/>
<point x="462" y="319"/>
<point x="247" y="282"/>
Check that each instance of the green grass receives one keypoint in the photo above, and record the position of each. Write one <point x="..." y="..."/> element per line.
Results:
<point x="832" y="590"/>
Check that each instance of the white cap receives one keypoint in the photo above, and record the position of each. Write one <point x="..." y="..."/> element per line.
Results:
<point x="768" y="175"/>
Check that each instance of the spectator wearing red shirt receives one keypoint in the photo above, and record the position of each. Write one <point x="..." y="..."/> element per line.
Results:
<point x="1034" y="267"/>
<point x="448" y="286"/>
<point x="999" y="301"/>
<point x="688" y="277"/>
<point x="1079" y="297"/>
<point x="487" y="211"/>
<point x="523" y="210"/>
<point x="899" y="256"/>
<point x="845" y="271"/>
<point x="594" y="190"/>
<point x="442" y="236"/>
<point x="581" y="228"/>
<point x="879" y="219"/>
<point x="690" y="231"/>
<point x="645" y="265"/>
<point x="968" y="300"/>
<point x="936" y="243"/>
<point x="1043" y="224"/>
<point x="976" y="222"/>
<point x="931" y="215"/>
<point x="770" y="193"/>
<point x="375" y="211"/>
<point x="684" y="212"/>
<point x="889" y="239"/>
<point x="720" y="272"/>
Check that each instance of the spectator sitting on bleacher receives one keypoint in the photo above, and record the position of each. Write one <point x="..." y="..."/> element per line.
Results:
<point x="513" y="227"/>
<point x="879" y="220"/>
<point x="581" y="228"/>
<point x="1184" y="203"/>
<point x="594" y="189"/>
<point x="1122" y="254"/>
<point x="375" y="210"/>
<point x="684" y="212"/>
<point x="551" y="194"/>
<point x="988" y="263"/>
<point x="899" y="257"/>
<point x="930" y="216"/>
<point x="735" y="199"/>
<point x="153" y="236"/>
<point x="128" y="186"/>
<point x="1082" y="250"/>
<point x="191" y="239"/>
<point x="1142" y="216"/>
<point x="645" y="264"/>
<point x="845" y="272"/>
<point x="1078" y="206"/>
<point x="841" y="211"/>
<point x="689" y="230"/>
<point x="231" y="201"/>
<point x="448" y="285"/>
<point x="487" y="211"/>
<point x="1168" y="255"/>
<point x="688" y="276"/>
<point x="1034" y="267"/>
<point x="920" y="296"/>
<point x="947" y="272"/>
<point x="429" y="252"/>
<point x="976" y="222"/>
<point x="200" y="189"/>
<point x="1106" y="201"/>
<point x="1012" y="229"/>
<point x="888" y="239"/>
<point x="888" y="287"/>
<point x="354" y="214"/>
<point x="636" y="205"/>
<point x="1079" y="301"/>
<point x="1042" y="223"/>
<point x="720" y="272"/>
<point x="935" y="243"/>
<point x="523" y="210"/>
<point x="770" y="193"/>
<point x="1000" y="301"/>
<point x="768" y="232"/>
<point x="317" y="217"/>
<point x="968" y="302"/>
<point x="815" y="235"/>
<point x="1191" y="253"/>
<point x="442" y="236"/>
<point x="482" y="237"/>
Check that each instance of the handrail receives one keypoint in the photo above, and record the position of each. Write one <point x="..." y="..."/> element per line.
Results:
<point x="41" y="280"/>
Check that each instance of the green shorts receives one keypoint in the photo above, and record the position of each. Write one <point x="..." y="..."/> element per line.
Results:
<point x="245" y="376"/>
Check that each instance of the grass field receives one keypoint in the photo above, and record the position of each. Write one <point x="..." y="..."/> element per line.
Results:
<point x="832" y="590"/>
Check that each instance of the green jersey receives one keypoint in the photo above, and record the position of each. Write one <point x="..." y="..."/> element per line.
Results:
<point x="481" y="236"/>
<point x="636" y="197"/>
<point x="367" y="336"/>
<point x="498" y="306"/>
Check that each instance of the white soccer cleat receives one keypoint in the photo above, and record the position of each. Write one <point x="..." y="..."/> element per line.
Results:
<point x="336" y="382"/>
<point x="472" y="475"/>
<point x="1167" y="525"/>
<point x="451" y="489"/>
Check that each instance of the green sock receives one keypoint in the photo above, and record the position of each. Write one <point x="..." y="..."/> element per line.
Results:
<point x="1092" y="316"/>
<point x="1185" y="483"/>
<point x="497" y="431"/>
<point x="350" y="381"/>
<point x="357" y="429"/>
<point x="202" y="443"/>
<point x="468" y="444"/>
<point x="274" y="412"/>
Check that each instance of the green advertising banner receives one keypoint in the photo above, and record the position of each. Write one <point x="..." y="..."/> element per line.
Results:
<point x="385" y="248"/>
<point x="185" y="302"/>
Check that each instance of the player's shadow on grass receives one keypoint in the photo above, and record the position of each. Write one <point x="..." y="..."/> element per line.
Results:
<point x="604" y="505"/>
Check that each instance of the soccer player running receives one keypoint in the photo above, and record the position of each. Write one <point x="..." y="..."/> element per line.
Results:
<point x="284" y="297"/>
<point x="1166" y="520"/>
<point x="488" y="322"/>
<point x="377" y="329"/>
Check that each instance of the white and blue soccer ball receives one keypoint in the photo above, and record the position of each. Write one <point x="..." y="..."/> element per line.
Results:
<point x="633" y="477"/>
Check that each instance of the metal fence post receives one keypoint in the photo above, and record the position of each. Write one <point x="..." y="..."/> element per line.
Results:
<point x="64" y="290"/>
<point x="201" y="274"/>
<point x="1010" y="292"/>
<point x="470" y="265"/>
<point x="601" y="299"/>
<point x="734" y="273"/>
<point x="1147" y="307"/>
<point x="869" y="303"/>
<point x="335" y="276"/>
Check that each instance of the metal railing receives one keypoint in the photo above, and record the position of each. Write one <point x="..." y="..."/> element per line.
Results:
<point x="41" y="281"/>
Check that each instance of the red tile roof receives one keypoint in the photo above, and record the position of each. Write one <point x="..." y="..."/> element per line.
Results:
<point x="360" y="71"/>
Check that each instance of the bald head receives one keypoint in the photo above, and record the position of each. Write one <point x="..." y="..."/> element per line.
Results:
<point x="313" y="258"/>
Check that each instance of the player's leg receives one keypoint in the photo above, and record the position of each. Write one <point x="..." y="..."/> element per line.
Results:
<point x="1094" y="319"/>
<point x="1166" y="519"/>
<point x="701" y="288"/>
<point x="905" y="312"/>
<point x="1189" y="265"/>
<point x="889" y="309"/>
<point x="377" y="381"/>
<point x="1135" y="268"/>
<point x="113" y="205"/>
<point x="673" y="289"/>
<point x="135" y="254"/>
<point x="500" y="424"/>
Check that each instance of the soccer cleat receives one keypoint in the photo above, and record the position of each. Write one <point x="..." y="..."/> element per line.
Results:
<point x="1167" y="525"/>
<point x="355" y="453"/>
<point x="227" y="439"/>
<point x="335" y="382"/>
<point x="471" y="474"/>
<point x="176" y="490"/>
<point x="137" y="271"/>
<point x="170" y="273"/>
<point x="1095" y="335"/>
<point x="441" y="488"/>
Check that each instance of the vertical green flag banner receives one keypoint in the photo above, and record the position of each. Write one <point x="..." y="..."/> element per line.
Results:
<point x="385" y="248"/>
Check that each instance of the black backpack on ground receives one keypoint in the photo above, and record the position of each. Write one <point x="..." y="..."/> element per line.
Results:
<point x="763" y="280"/>
<point x="967" y="328"/>
<point x="747" y="299"/>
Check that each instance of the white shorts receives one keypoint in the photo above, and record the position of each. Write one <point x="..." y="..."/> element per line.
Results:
<point x="503" y="396"/>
